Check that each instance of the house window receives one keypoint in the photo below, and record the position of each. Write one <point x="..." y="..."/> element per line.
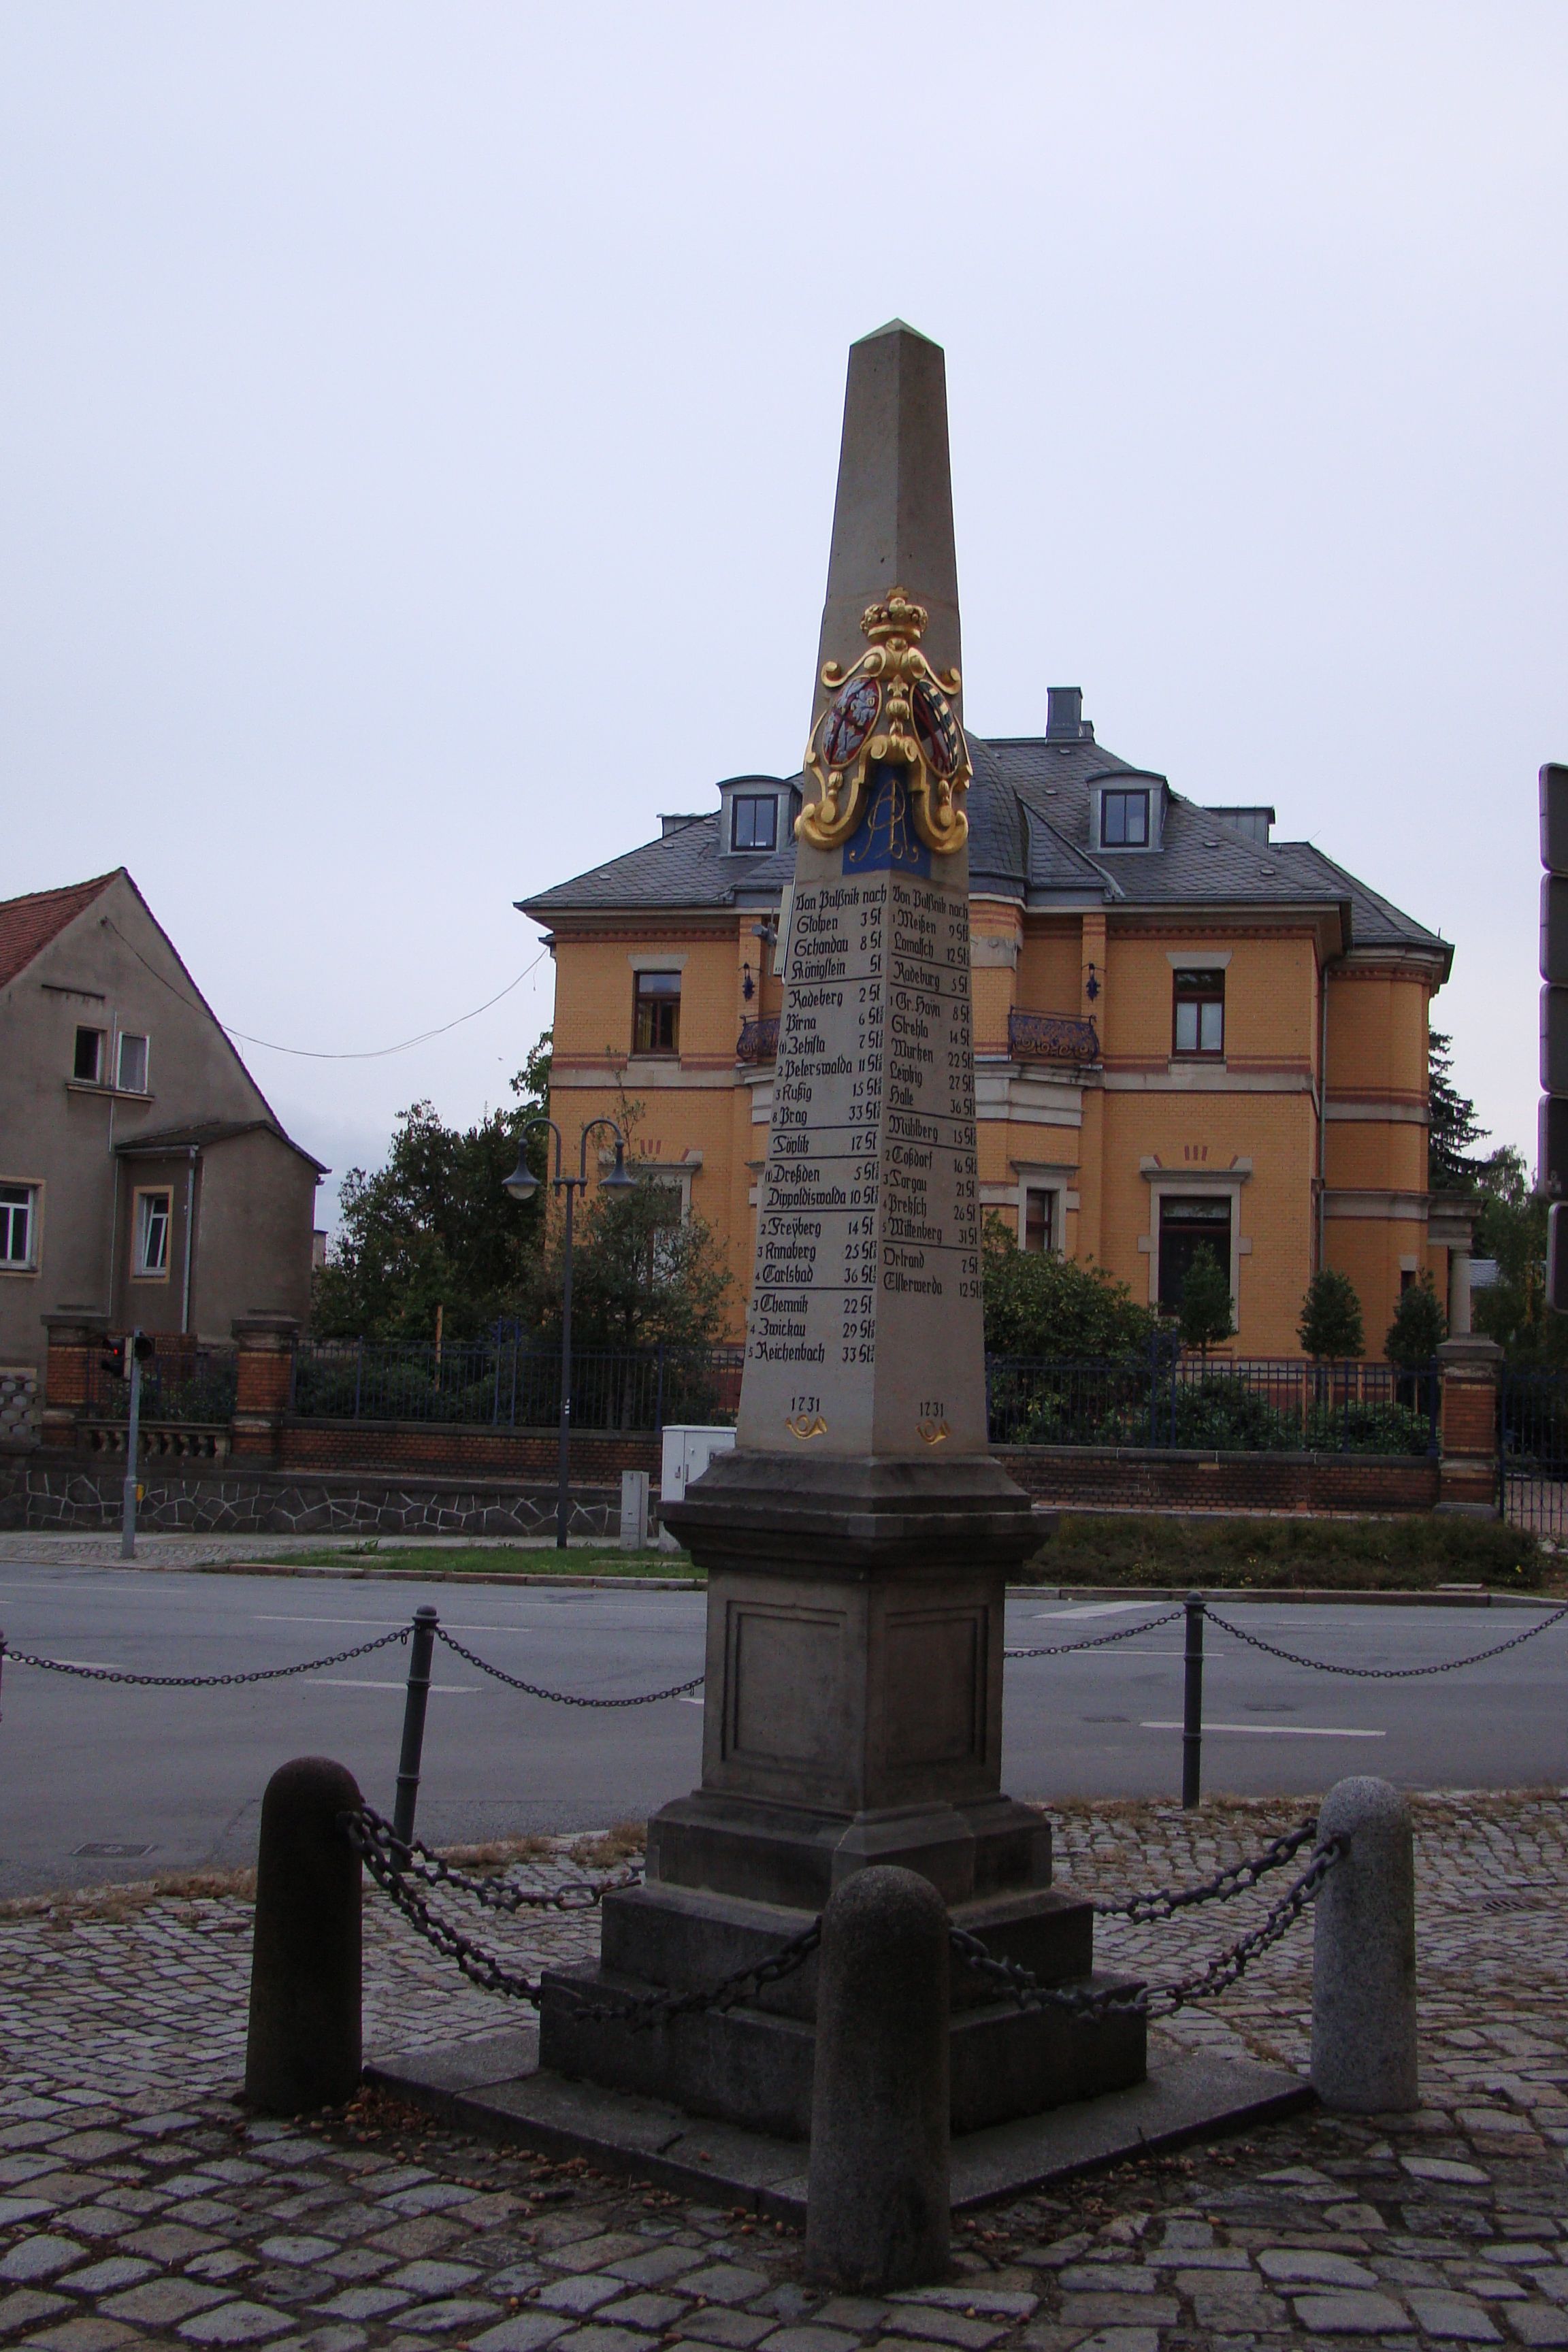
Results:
<point x="755" y="821"/>
<point x="1124" y="820"/>
<point x="655" y="1017"/>
<point x="151" y="1235"/>
<point x="1198" y="1016"/>
<point x="1039" y="1220"/>
<point x="19" y="1224"/>
<point x="133" y="1074"/>
<point x="1186" y="1227"/>
<point x="88" y="1063"/>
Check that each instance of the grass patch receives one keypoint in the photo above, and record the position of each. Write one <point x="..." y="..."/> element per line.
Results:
<point x="1411" y="1554"/>
<point x="486" y="1559"/>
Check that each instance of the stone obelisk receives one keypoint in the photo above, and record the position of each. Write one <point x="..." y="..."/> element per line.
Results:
<point x="857" y="1540"/>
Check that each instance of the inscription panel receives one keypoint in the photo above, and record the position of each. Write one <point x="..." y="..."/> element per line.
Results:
<point x="865" y="1331"/>
<point x="786" y="1671"/>
<point x="935" y="1689"/>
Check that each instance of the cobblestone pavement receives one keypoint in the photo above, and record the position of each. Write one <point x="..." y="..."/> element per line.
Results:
<point x="138" y="2205"/>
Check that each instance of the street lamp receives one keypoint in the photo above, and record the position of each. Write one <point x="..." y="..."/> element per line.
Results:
<point x="522" y="1184"/>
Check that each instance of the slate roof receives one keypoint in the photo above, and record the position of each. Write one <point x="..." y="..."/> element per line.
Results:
<point x="1030" y="818"/>
<point x="28" y="925"/>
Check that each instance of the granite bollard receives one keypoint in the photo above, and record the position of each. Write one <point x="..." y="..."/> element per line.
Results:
<point x="1363" y="1954"/>
<point x="302" y="2047"/>
<point x="878" y="2203"/>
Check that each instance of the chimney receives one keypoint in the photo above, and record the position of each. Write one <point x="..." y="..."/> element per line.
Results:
<point x="1064" y="714"/>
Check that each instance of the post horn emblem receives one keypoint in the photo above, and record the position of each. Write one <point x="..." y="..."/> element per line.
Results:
<point x="890" y="708"/>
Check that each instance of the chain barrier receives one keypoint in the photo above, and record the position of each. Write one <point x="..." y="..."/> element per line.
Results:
<point x="565" y="1698"/>
<point x="1148" y="2000"/>
<point x="1385" y="1673"/>
<point x="416" y="1860"/>
<point x="198" y="1682"/>
<point x="373" y="1842"/>
<point x="1100" y="1641"/>
<point x="1236" y="1878"/>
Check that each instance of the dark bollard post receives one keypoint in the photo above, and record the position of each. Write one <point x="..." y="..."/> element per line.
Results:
<point x="878" y="2203"/>
<point x="303" y="2048"/>
<point x="1192" y="1704"/>
<point x="421" y="1650"/>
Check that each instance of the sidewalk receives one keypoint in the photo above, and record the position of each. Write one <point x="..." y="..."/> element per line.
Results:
<point x="137" y="2205"/>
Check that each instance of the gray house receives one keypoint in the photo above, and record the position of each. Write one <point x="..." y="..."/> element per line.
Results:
<point x="144" y="1176"/>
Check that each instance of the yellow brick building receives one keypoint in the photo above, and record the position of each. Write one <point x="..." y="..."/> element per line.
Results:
<point x="1185" y="1031"/>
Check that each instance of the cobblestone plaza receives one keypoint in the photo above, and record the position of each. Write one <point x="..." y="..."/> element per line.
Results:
<point x="140" y="2205"/>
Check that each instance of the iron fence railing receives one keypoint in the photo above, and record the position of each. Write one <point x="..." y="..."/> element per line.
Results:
<point x="178" y="1384"/>
<point x="1251" y="1405"/>
<point x="1532" y="1449"/>
<point x="510" y="1381"/>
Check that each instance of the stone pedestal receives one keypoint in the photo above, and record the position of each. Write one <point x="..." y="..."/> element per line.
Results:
<point x="854" y="1716"/>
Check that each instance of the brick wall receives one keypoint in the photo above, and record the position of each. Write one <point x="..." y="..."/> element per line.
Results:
<point x="1093" y="1478"/>
<point x="452" y="1450"/>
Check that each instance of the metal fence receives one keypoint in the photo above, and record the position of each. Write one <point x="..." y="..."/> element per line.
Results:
<point x="506" y="1382"/>
<point x="1252" y="1405"/>
<point x="1532" y="1450"/>
<point x="178" y="1384"/>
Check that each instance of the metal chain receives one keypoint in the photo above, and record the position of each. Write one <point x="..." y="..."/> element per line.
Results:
<point x="1234" y="1879"/>
<point x="1100" y="1641"/>
<point x="481" y="1967"/>
<point x="1385" y="1673"/>
<point x="416" y="1860"/>
<point x="200" y="1682"/>
<point x="1156" y="2000"/>
<point x="565" y="1699"/>
<point x="373" y="1842"/>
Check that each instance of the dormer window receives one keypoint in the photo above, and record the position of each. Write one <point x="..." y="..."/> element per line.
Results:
<point x="755" y="821"/>
<point x="1124" y="820"/>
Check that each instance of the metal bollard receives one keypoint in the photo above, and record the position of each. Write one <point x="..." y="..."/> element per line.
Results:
<point x="1363" y="1954"/>
<point x="878" y="2200"/>
<point x="1192" y="1704"/>
<point x="420" y="1652"/>
<point x="302" y="2046"/>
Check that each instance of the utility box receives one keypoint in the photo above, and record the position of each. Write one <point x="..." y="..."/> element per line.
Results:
<point x="688" y="1450"/>
<point x="634" y="1510"/>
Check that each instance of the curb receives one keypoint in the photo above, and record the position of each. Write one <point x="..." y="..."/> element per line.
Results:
<point x="1322" y="1595"/>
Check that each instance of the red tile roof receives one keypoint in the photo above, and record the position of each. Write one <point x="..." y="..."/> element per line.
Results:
<point x="28" y="925"/>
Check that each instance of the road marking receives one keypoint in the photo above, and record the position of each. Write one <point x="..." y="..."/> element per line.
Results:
<point x="689" y="1698"/>
<point x="341" y="1681"/>
<point x="1278" y="1731"/>
<point x="1100" y="1609"/>
<point x="101" y="1665"/>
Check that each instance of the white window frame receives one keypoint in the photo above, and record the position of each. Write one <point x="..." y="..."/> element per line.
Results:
<point x="133" y="1037"/>
<point x="33" y="1186"/>
<point x="140" y="1227"/>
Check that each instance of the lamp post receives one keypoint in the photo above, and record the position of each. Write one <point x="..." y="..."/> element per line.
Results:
<point x="522" y="1184"/>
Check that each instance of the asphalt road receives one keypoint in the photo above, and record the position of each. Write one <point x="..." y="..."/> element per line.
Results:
<point x="178" y="1775"/>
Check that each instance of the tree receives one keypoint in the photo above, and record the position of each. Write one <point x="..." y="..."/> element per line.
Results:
<point x="1511" y="1230"/>
<point x="1452" y="1125"/>
<point x="640" y="1277"/>
<point x="433" y="1228"/>
<point x="1418" y="1330"/>
<point x="1039" y="1305"/>
<point x="1330" y="1322"/>
<point x="1205" y="1316"/>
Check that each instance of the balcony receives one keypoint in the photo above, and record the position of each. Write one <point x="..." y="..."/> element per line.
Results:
<point x="1051" y="1037"/>
<point x="758" y="1040"/>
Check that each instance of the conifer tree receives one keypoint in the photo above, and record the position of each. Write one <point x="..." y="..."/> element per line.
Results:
<point x="1204" y="1314"/>
<point x="1331" y="1324"/>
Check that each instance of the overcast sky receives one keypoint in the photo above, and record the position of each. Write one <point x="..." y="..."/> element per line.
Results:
<point x="420" y="424"/>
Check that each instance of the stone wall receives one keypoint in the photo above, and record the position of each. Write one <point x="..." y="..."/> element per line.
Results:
<point x="85" y="1494"/>
<point x="1161" y="1478"/>
<point x="21" y="1401"/>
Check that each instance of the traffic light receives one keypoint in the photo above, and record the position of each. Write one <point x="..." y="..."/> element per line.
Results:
<point x="1551" y="1138"/>
<point x="1557" y="1257"/>
<point x="116" y="1358"/>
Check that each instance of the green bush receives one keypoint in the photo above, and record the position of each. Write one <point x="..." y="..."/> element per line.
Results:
<point x="1420" y="1550"/>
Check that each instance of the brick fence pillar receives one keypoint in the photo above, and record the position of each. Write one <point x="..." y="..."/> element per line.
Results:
<point x="266" y="1358"/>
<point x="75" y="1341"/>
<point x="1467" y="1475"/>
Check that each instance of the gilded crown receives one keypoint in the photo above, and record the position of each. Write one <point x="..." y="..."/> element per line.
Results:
<point x="898" y="617"/>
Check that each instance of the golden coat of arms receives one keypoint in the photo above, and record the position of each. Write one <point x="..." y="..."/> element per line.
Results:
<point x="891" y="709"/>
